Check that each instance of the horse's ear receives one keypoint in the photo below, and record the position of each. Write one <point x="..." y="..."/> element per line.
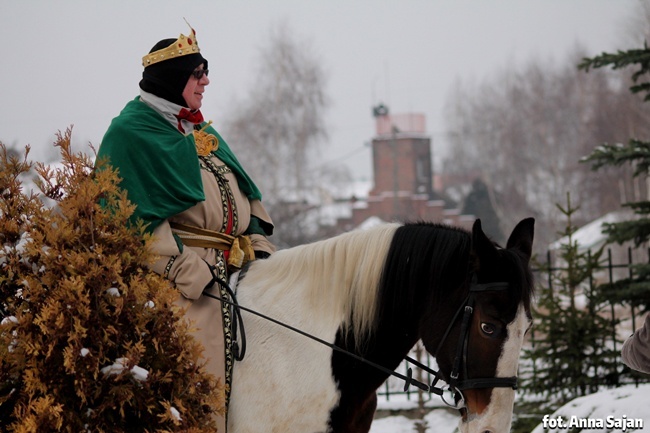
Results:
<point x="521" y="237"/>
<point x="482" y="246"/>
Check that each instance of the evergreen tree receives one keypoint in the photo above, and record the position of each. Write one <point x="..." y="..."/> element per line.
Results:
<point x="634" y="291"/>
<point x="571" y="349"/>
<point x="90" y="339"/>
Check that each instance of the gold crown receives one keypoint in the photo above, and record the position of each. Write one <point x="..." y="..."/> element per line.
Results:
<point x="183" y="46"/>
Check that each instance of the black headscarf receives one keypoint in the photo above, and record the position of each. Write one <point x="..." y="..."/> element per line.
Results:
<point x="167" y="79"/>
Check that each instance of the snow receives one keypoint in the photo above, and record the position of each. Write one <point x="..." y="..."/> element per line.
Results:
<point x="627" y="403"/>
<point x="591" y="236"/>
<point x="175" y="413"/>
<point x="139" y="373"/>
<point x="438" y="421"/>
<point x="116" y="368"/>
<point x="370" y="223"/>
<point x="8" y="319"/>
<point x="120" y="364"/>
<point x="113" y="291"/>
<point x="617" y="409"/>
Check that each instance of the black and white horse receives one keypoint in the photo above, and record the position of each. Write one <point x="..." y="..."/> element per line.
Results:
<point x="375" y="293"/>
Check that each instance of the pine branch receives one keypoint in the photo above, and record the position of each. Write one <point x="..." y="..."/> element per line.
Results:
<point x="636" y="151"/>
<point x="620" y="60"/>
<point x="636" y="230"/>
<point x="639" y="207"/>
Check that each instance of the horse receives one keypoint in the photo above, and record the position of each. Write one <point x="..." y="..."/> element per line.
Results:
<point x="374" y="293"/>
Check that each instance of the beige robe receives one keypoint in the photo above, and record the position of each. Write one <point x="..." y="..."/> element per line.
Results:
<point x="188" y="270"/>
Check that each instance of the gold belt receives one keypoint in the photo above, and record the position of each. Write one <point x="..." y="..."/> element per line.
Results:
<point x="240" y="247"/>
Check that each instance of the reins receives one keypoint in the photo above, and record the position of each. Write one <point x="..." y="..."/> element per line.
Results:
<point x="408" y="379"/>
<point x="454" y="385"/>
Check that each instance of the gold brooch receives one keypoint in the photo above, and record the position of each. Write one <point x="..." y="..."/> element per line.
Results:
<point x="205" y="143"/>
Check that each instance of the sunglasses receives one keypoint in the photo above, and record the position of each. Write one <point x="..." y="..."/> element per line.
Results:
<point x="199" y="73"/>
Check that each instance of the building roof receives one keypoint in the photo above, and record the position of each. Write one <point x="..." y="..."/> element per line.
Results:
<point x="590" y="236"/>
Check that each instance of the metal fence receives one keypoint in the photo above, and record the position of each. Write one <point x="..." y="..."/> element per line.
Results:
<point x="394" y="388"/>
<point x="615" y="264"/>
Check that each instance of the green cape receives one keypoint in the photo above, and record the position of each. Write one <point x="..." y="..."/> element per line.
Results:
<point x="159" y="166"/>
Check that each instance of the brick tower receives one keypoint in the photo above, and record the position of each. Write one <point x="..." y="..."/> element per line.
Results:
<point x="403" y="175"/>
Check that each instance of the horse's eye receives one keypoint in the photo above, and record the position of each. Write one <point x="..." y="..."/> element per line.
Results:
<point x="487" y="328"/>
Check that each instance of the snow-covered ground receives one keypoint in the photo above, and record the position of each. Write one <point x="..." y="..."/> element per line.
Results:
<point x="618" y="410"/>
<point x="438" y="421"/>
<point x="440" y="418"/>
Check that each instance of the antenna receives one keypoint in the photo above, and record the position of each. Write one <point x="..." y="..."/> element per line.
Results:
<point x="387" y="78"/>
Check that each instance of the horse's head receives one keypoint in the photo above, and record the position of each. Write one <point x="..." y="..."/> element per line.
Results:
<point x="480" y="355"/>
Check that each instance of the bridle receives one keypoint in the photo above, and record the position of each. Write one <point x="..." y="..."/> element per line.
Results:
<point x="454" y="383"/>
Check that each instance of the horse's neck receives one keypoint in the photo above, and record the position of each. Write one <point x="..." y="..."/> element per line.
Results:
<point x="395" y="334"/>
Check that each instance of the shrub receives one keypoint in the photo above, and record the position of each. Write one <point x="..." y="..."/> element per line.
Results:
<point x="90" y="338"/>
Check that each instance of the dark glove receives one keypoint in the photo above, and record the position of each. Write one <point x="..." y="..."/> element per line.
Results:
<point x="215" y="276"/>
<point x="261" y="255"/>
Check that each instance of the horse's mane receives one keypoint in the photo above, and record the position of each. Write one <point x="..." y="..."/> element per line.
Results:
<point x="425" y="259"/>
<point x="342" y="274"/>
<point x="349" y="276"/>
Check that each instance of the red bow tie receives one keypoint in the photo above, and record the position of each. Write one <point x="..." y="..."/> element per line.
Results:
<point x="193" y="117"/>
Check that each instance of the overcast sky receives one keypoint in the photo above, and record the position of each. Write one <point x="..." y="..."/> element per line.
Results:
<point x="79" y="61"/>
